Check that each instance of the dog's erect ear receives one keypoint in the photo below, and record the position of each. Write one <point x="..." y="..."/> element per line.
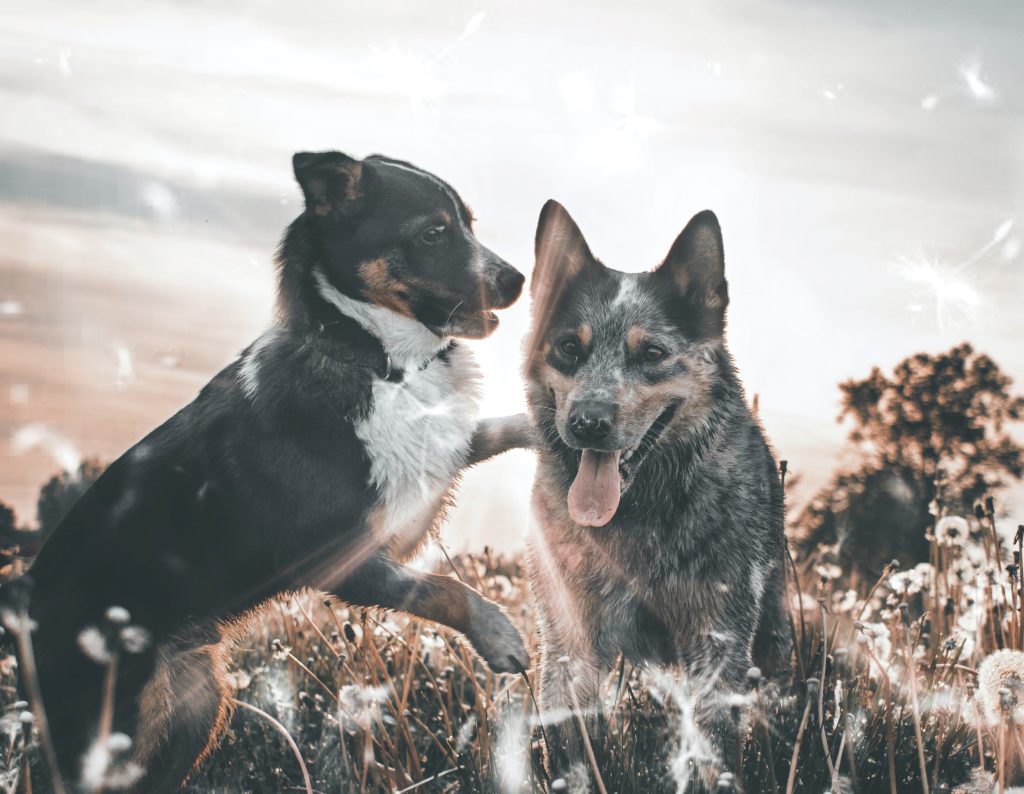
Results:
<point x="560" y="249"/>
<point x="695" y="270"/>
<point x="330" y="181"/>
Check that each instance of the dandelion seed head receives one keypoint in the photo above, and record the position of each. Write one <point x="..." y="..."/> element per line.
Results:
<point x="1001" y="683"/>
<point x="119" y="616"/>
<point x="828" y="571"/>
<point x="135" y="639"/>
<point x="94" y="645"/>
<point x="951" y="531"/>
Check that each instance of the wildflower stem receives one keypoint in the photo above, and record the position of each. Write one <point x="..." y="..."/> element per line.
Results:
<point x="584" y="736"/>
<point x="30" y="679"/>
<point x="912" y="671"/>
<point x="833" y="771"/>
<point x="791" y="780"/>
<point x="287" y="737"/>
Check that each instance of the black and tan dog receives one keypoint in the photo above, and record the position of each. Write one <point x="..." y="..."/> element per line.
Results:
<point x="320" y="458"/>
<point x="659" y="505"/>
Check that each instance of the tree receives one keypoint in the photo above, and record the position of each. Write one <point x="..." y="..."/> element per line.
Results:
<point x="945" y="414"/>
<point x="8" y="522"/>
<point x="61" y="492"/>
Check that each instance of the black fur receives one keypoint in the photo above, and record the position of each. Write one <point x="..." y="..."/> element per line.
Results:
<point x="250" y="491"/>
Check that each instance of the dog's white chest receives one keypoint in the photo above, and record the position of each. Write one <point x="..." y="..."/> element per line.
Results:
<point x="417" y="436"/>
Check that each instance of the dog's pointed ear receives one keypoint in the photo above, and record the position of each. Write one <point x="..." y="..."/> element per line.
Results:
<point x="561" y="252"/>
<point x="695" y="271"/>
<point x="330" y="181"/>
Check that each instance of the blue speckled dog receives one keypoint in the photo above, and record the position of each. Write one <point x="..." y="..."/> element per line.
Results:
<point x="658" y="499"/>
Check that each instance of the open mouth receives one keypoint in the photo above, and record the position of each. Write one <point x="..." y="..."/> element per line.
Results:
<point x="604" y="475"/>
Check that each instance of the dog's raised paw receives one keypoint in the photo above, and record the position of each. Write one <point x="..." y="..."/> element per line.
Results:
<point x="497" y="640"/>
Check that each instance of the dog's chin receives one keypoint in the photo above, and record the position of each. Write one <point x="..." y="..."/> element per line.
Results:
<point x="477" y="325"/>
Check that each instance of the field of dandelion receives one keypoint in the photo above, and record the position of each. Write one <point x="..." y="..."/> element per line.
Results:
<point x="912" y="684"/>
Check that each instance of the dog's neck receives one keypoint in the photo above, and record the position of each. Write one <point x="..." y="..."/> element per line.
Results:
<point x="407" y="341"/>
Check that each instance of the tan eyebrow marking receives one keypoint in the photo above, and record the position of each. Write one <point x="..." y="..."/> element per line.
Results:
<point x="635" y="337"/>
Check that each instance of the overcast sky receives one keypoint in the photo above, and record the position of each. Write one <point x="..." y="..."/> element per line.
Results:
<point x="866" y="162"/>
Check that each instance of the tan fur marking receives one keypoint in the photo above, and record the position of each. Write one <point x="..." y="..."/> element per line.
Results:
<point x="635" y="337"/>
<point x="354" y="185"/>
<point x="444" y="602"/>
<point x="585" y="334"/>
<point x="219" y="662"/>
<point x="155" y="708"/>
<point x="381" y="288"/>
<point x="156" y="702"/>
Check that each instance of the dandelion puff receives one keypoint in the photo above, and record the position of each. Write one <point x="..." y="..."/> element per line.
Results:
<point x="238" y="680"/>
<point x="94" y="645"/>
<point x="135" y="639"/>
<point x="17" y="622"/>
<point x="119" y="616"/>
<point x="1000" y="683"/>
<point x="466" y="732"/>
<point x="951" y="531"/>
<point x="94" y="766"/>
<point x="578" y="780"/>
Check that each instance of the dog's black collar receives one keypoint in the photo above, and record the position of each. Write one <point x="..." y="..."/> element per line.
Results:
<point x="394" y="374"/>
<point x="383" y="366"/>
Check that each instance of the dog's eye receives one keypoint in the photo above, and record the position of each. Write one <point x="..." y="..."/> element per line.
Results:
<point x="653" y="353"/>
<point x="570" y="347"/>
<point x="433" y="235"/>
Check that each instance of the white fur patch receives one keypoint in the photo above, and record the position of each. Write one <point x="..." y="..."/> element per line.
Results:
<point x="408" y="341"/>
<point x="627" y="286"/>
<point x="248" y="374"/>
<point x="417" y="437"/>
<point x="758" y="576"/>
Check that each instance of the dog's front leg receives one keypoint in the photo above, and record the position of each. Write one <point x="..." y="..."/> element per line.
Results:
<point x="500" y="434"/>
<point x="381" y="581"/>
<point x="570" y="692"/>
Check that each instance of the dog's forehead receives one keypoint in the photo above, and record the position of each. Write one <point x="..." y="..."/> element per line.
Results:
<point x="412" y="184"/>
<point x="618" y="303"/>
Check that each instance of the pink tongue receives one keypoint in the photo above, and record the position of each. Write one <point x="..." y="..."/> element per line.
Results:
<point x="594" y="495"/>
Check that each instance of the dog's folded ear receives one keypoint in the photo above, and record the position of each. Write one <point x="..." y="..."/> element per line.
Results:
<point x="561" y="251"/>
<point x="330" y="181"/>
<point x="695" y="270"/>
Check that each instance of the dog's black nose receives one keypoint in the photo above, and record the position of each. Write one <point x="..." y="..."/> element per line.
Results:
<point x="510" y="281"/>
<point x="591" y="420"/>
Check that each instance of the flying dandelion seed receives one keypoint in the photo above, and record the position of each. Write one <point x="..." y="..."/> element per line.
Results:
<point x="511" y="753"/>
<point x="160" y="200"/>
<point x="10" y="308"/>
<point x="692" y="747"/>
<point x="38" y="436"/>
<point x="977" y="86"/>
<point x="64" y="62"/>
<point x="473" y="25"/>
<point x="930" y="102"/>
<point x="125" y="367"/>
<point x="831" y="93"/>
